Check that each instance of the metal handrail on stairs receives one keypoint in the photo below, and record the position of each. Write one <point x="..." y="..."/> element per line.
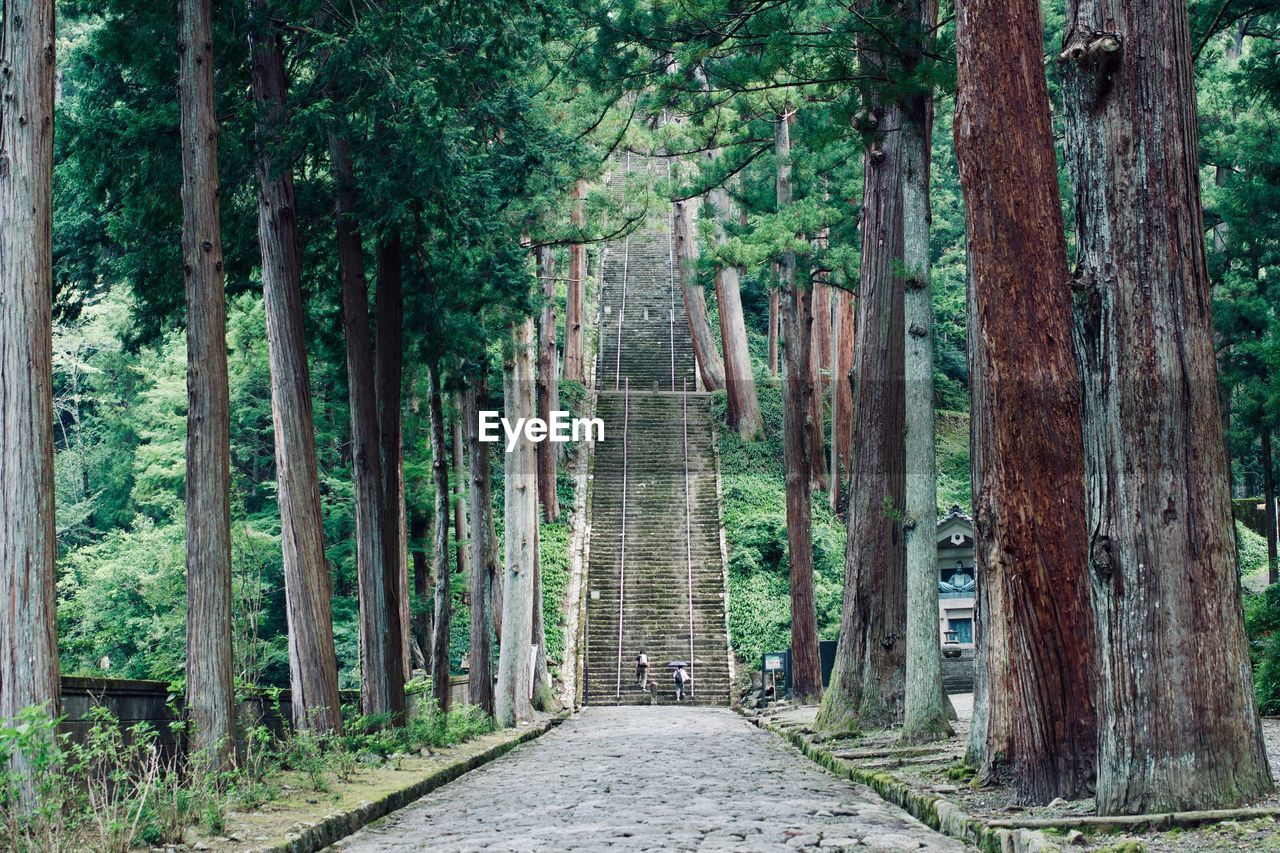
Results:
<point x="622" y="557"/>
<point x="688" y="530"/>
<point x="671" y="290"/>
<point x="622" y="302"/>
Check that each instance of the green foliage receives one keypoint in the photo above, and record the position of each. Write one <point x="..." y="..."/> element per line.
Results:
<point x="755" y="522"/>
<point x="114" y="788"/>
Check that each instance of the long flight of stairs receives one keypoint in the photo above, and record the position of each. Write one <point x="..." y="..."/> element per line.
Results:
<point x="655" y="575"/>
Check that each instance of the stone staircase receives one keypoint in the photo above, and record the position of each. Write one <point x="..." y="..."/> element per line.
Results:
<point x="655" y="571"/>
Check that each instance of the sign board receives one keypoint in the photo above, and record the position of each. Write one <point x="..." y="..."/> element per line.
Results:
<point x="773" y="662"/>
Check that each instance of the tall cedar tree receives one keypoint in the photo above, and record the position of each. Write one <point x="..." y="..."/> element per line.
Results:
<point x="1034" y="723"/>
<point x="924" y="710"/>
<point x="381" y="667"/>
<point x="796" y="392"/>
<point x="28" y="633"/>
<point x="388" y="311"/>
<point x="461" y="531"/>
<point x="742" y="401"/>
<point x="548" y="384"/>
<point x="1177" y="720"/>
<point x="313" y="665"/>
<point x="575" y="298"/>
<point x="483" y="550"/>
<point x="515" y="666"/>
<point x="707" y="357"/>
<point x="443" y="602"/>
<point x="210" y="688"/>
<point x="868" y="680"/>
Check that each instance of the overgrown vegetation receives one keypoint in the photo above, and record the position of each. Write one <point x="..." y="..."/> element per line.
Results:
<point x="116" y="788"/>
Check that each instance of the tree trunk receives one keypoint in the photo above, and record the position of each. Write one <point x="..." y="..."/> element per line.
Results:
<point x="797" y="391"/>
<point x="521" y="529"/>
<point x="710" y="366"/>
<point x="461" y="533"/>
<point x="28" y="545"/>
<point x="389" y="369"/>
<point x="1269" y="495"/>
<point x="548" y="385"/>
<point x="544" y="698"/>
<point x="210" y="688"/>
<point x="743" y="409"/>
<point x="924" y="712"/>
<point x="483" y="554"/>
<point x="1036" y="728"/>
<point x="819" y="309"/>
<point x="1178" y="724"/>
<point x="773" y="329"/>
<point x="868" y="681"/>
<point x="843" y="311"/>
<point x="381" y="667"/>
<point x="576" y="296"/>
<point x="313" y="663"/>
<point x="440" y="664"/>
<point x="422" y="589"/>
<point x="820" y="303"/>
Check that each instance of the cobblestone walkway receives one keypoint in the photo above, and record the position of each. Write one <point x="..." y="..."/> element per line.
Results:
<point x="642" y="778"/>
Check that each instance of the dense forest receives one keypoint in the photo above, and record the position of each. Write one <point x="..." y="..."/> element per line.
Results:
<point x="974" y="254"/>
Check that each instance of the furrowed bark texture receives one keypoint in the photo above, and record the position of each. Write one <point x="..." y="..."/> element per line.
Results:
<point x="1178" y="724"/>
<point x="1036" y="638"/>
<point x="743" y="404"/>
<point x="819" y="360"/>
<point x="440" y="669"/>
<point x="576" y="295"/>
<point x="28" y="547"/>
<point x="548" y="384"/>
<point x="710" y="365"/>
<point x="515" y="670"/>
<point x="483" y="554"/>
<point x="842" y="335"/>
<point x="381" y="668"/>
<point x="389" y="369"/>
<point x="313" y="663"/>
<point x="869" y="677"/>
<point x="210" y="691"/>
<point x="461" y="533"/>
<point x="797" y="391"/>
<point x="924" y="711"/>
<point x="773" y="328"/>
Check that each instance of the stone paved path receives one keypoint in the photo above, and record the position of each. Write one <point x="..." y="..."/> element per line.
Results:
<point x="642" y="778"/>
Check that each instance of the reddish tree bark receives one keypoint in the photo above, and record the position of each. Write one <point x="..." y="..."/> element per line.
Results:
<point x="1035" y="644"/>
<point x="313" y="664"/>
<point x="842" y="334"/>
<point x="548" y="384"/>
<point x="28" y="545"/>
<point x="710" y="366"/>
<point x="868" y="680"/>
<point x="576" y="293"/>
<point x="773" y="327"/>
<point x="210" y="689"/>
<point x="1177" y="720"/>
<point x="806" y="668"/>
<point x="743" y="403"/>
